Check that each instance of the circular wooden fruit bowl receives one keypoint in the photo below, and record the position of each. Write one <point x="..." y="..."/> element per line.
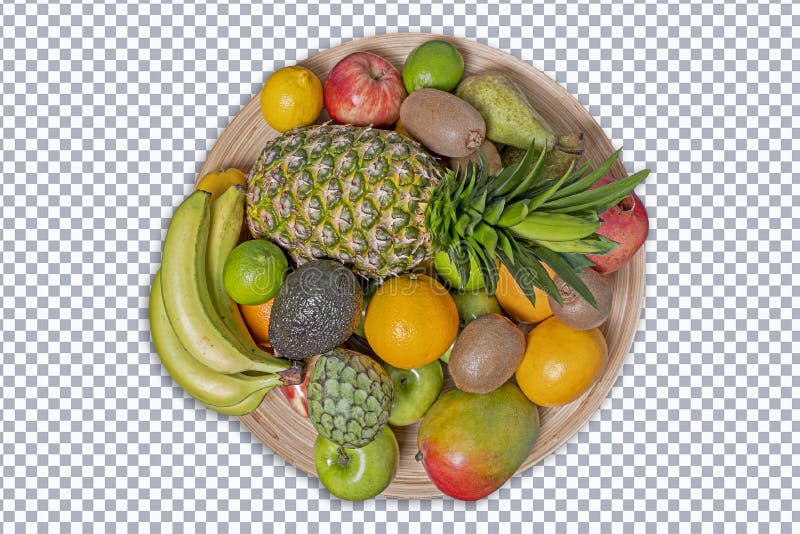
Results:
<point x="292" y="436"/>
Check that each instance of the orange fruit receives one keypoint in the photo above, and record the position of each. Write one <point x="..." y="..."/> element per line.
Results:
<point x="516" y="304"/>
<point x="257" y="320"/>
<point x="411" y="320"/>
<point x="560" y="362"/>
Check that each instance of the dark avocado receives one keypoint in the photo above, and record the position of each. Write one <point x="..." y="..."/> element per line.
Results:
<point x="316" y="309"/>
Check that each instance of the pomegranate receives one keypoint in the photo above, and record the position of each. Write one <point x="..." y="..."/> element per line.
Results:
<point x="627" y="224"/>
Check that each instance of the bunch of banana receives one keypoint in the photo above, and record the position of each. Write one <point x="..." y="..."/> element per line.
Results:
<point x="197" y="329"/>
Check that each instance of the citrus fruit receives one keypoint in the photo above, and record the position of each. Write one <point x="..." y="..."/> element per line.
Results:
<point x="560" y="362"/>
<point x="411" y="321"/>
<point x="291" y="97"/>
<point x="256" y="317"/>
<point x="446" y="269"/>
<point x="514" y="302"/>
<point x="254" y="271"/>
<point x="218" y="182"/>
<point x="435" y="64"/>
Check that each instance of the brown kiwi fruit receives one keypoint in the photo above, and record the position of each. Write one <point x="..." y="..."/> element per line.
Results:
<point x="489" y="150"/>
<point x="442" y="122"/>
<point x="575" y="312"/>
<point x="486" y="354"/>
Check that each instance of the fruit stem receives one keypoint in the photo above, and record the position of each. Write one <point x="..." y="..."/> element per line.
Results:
<point x="343" y="458"/>
<point x="293" y="375"/>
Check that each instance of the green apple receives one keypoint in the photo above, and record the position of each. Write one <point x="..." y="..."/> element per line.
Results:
<point x="473" y="304"/>
<point x="357" y="474"/>
<point x="446" y="356"/>
<point x="415" y="390"/>
<point x="448" y="272"/>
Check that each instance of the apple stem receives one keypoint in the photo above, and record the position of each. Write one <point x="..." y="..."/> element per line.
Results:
<point x="343" y="458"/>
<point x="418" y="456"/>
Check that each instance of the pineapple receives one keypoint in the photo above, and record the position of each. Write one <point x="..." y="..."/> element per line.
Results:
<point x="376" y="201"/>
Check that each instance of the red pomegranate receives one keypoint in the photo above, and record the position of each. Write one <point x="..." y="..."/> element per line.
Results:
<point x="627" y="224"/>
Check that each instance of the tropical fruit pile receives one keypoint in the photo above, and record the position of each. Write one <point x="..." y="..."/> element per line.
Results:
<point x="437" y="226"/>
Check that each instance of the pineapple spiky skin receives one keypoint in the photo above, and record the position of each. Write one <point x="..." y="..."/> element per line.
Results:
<point x="358" y="195"/>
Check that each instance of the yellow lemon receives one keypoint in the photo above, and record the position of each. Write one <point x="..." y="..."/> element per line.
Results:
<point x="291" y="97"/>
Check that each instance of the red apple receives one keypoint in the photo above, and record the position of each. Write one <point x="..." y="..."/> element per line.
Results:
<point x="364" y="89"/>
<point x="627" y="224"/>
<point x="297" y="394"/>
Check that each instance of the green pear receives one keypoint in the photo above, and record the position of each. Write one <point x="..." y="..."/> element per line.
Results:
<point x="510" y="117"/>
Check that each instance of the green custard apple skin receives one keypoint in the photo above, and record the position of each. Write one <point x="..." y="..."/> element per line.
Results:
<point x="470" y="443"/>
<point x="349" y="398"/>
<point x="357" y="474"/>
<point x="358" y="195"/>
<point x="415" y="390"/>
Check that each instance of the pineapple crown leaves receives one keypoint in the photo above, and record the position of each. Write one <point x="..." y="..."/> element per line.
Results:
<point x="523" y="219"/>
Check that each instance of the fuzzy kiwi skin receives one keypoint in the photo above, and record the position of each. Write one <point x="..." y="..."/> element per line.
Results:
<point x="486" y="354"/>
<point x="489" y="150"/>
<point x="443" y="123"/>
<point x="575" y="311"/>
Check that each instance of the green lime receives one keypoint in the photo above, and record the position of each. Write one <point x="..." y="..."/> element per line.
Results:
<point x="447" y="271"/>
<point x="436" y="64"/>
<point x="254" y="271"/>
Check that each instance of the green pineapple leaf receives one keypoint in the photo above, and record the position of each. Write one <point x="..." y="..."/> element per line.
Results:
<point x="565" y="271"/>
<point x="590" y="179"/>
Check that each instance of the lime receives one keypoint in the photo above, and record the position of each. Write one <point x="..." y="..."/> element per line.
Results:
<point x="448" y="272"/>
<point x="436" y="64"/>
<point x="254" y="271"/>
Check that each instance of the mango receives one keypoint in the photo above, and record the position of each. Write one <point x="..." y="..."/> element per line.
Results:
<point x="471" y="443"/>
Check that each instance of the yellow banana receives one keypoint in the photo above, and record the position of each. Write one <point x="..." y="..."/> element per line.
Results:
<point x="227" y="218"/>
<point x="187" y="300"/>
<point x="243" y="407"/>
<point x="230" y="394"/>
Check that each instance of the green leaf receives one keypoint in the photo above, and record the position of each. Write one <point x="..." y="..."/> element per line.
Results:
<point x="553" y="227"/>
<point x="461" y="224"/>
<point x="514" y="214"/>
<point x="505" y="244"/>
<point x="459" y="256"/>
<point x="503" y="187"/>
<point x="479" y="204"/>
<point x="544" y="196"/>
<point x="599" y="199"/>
<point x="579" y="262"/>
<point x="493" y="212"/>
<point x="594" y="244"/>
<point x="565" y="271"/>
<point x="486" y="236"/>
<point x="488" y="267"/>
<point x="530" y="179"/>
<point x="590" y="179"/>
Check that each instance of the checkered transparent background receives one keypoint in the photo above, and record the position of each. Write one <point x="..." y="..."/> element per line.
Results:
<point x="108" y="110"/>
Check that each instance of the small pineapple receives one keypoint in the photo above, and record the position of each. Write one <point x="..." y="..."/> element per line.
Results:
<point x="376" y="201"/>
